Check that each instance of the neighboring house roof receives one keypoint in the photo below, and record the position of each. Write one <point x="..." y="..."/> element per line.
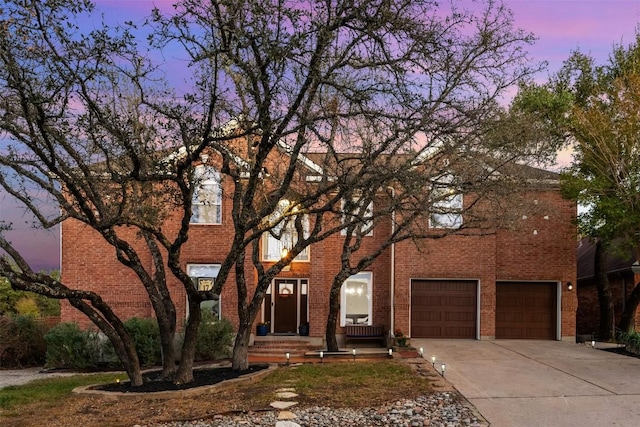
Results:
<point x="586" y="256"/>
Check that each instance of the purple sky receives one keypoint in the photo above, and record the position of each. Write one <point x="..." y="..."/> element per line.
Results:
<point x="592" y="26"/>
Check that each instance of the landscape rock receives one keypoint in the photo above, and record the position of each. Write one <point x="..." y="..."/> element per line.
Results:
<point x="441" y="409"/>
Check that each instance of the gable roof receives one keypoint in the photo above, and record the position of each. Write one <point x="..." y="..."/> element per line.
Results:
<point x="586" y="252"/>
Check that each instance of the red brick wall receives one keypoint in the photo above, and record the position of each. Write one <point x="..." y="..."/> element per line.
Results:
<point x="454" y="257"/>
<point x="544" y="248"/>
<point x="326" y="264"/>
<point x="516" y="255"/>
<point x="88" y="263"/>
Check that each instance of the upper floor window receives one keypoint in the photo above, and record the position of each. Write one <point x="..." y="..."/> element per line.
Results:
<point x="354" y="212"/>
<point x="446" y="203"/>
<point x="207" y="197"/>
<point x="284" y="235"/>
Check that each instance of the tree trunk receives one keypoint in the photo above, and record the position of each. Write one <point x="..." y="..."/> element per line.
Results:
<point x="240" y="360"/>
<point x="605" y="295"/>
<point x="133" y="367"/>
<point x="167" y="338"/>
<point x="629" y="313"/>
<point x="126" y="351"/>
<point x="332" y="318"/>
<point x="185" y="369"/>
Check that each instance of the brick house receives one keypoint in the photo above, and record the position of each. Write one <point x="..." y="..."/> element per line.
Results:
<point x="623" y="273"/>
<point x="510" y="284"/>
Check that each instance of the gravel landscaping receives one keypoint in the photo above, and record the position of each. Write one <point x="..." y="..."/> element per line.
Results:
<point x="444" y="409"/>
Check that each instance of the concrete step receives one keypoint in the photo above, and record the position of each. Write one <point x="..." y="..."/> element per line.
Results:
<point x="269" y="346"/>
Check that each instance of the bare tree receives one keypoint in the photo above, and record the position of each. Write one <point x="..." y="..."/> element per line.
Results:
<point x="367" y="78"/>
<point x="95" y="128"/>
<point x="80" y="134"/>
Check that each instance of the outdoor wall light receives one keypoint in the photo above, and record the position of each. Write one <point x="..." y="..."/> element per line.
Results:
<point x="284" y="253"/>
<point x="443" y="367"/>
<point x="569" y="286"/>
<point x="433" y="361"/>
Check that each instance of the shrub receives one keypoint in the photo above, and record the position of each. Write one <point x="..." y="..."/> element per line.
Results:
<point x="631" y="339"/>
<point x="70" y="347"/>
<point x="146" y="336"/>
<point x="27" y="306"/>
<point x="22" y="342"/>
<point x="215" y="338"/>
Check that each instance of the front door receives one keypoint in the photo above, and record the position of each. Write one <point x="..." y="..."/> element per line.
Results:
<point x="285" y="316"/>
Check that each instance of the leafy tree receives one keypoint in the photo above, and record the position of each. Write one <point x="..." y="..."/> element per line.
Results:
<point x="9" y="300"/>
<point x="95" y="127"/>
<point x="606" y="175"/>
<point x="595" y="107"/>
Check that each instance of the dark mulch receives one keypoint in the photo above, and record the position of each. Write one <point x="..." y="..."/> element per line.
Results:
<point x="621" y="350"/>
<point x="201" y="377"/>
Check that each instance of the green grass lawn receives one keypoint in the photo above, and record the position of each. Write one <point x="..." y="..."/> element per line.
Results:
<point x="51" y="390"/>
<point x="349" y="384"/>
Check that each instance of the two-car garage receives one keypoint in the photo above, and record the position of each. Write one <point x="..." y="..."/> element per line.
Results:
<point x="449" y="309"/>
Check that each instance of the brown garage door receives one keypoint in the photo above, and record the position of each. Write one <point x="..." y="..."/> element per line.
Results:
<point x="443" y="308"/>
<point x="526" y="310"/>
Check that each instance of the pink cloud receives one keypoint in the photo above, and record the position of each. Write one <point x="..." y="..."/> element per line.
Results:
<point x="563" y="26"/>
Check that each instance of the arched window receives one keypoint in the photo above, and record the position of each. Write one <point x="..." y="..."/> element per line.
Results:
<point x="207" y="197"/>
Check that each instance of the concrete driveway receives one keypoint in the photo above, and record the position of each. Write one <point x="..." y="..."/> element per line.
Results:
<point x="23" y="376"/>
<point x="517" y="383"/>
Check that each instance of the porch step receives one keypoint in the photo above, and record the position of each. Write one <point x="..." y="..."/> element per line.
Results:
<point x="277" y="346"/>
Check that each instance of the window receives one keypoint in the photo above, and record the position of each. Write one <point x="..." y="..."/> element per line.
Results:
<point x="283" y="235"/>
<point x="446" y="204"/>
<point x="356" y="305"/>
<point x="204" y="275"/>
<point x="207" y="196"/>
<point x="365" y="227"/>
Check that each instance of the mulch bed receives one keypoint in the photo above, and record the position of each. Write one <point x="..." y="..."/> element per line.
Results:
<point x="621" y="350"/>
<point x="201" y="377"/>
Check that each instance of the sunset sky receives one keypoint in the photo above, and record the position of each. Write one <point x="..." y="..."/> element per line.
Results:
<point x="562" y="26"/>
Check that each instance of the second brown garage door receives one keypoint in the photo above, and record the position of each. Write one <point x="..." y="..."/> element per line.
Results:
<point x="443" y="308"/>
<point x="526" y="310"/>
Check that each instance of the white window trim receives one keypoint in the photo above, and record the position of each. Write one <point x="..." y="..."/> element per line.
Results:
<point x="367" y="277"/>
<point x="216" y="179"/>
